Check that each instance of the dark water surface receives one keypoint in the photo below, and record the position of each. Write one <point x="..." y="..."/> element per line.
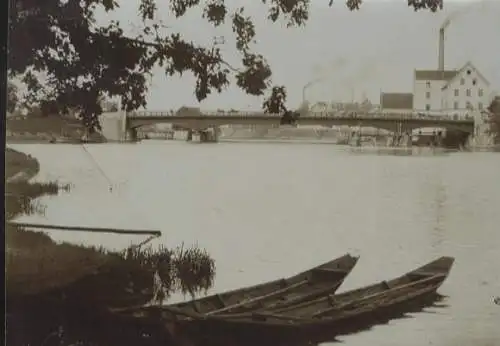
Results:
<point x="267" y="210"/>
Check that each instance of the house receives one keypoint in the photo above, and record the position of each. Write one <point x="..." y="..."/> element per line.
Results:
<point x="454" y="93"/>
<point x="451" y="92"/>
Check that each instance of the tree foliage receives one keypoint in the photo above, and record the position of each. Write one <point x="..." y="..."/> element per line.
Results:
<point x="276" y="104"/>
<point x="494" y="109"/>
<point x="82" y="61"/>
<point x="12" y="97"/>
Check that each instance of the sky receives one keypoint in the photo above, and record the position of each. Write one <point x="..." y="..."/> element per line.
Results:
<point x="350" y="54"/>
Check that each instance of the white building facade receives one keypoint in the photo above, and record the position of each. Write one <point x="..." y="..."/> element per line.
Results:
<point x="467" y="91"/>
<point x="455" y="93"/>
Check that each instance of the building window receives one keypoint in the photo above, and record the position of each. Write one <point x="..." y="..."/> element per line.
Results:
<point x="480" y="92"/>
<point x="468" y="72"/>
<point x="428" y="95"/>
<point x="467" y="92"/>
<point x="428" y="84"/>
<point x="480" y="106"/>
<point x="474" y="81"/>
<point x="427" y="107"/>
<point x="455" y="105"/>
<point x="456" y="92"/>
<point x="462" y="81"/>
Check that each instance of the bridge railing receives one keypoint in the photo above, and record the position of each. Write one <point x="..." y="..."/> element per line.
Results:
<point x="317" y="114"/>
<point x="152" y="113"/>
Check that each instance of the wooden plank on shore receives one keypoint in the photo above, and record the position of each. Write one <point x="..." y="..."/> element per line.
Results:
<point x="85" y="229"/>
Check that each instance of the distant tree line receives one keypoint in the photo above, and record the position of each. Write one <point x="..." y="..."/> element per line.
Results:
<point x="46" y="108"/>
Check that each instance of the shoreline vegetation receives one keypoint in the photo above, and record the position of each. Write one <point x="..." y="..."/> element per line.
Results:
<point x="60" y="286"/>
<point x="47" y="129"/>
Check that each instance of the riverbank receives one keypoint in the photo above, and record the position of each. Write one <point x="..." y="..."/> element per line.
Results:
<point x="50" y="129"/>
<point x="51" y="286"/>
<point x="61" y="286"/>
<point x="34" y="262"/>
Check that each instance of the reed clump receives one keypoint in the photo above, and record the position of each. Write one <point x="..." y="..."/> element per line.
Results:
<point x="188" y="270"/>
<point x="20" y="196"/>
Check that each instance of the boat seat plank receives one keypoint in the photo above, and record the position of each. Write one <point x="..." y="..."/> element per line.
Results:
<point x="371" y="296"/>
<point x="196" y="306"/>
<point x="259" y="298"/>
<point x="220" y="300"/>
<point x="262" y="316"/>
<point x="283" y="283"/>
<point x="423" y="273"/>
<point x="331" y="300"/>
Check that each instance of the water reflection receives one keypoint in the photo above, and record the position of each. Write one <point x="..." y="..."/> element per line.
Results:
<point x="390" y="151"/>
<point x="438" y="231"/>
<point x="267" y="210"/>
<point x="408" y="311"/>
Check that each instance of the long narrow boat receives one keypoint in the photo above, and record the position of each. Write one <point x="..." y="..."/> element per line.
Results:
<point x="331" y="314"/>
<point x="313" y="283"/>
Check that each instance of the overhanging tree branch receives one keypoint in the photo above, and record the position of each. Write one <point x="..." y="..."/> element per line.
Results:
<point x="84" y="62"/>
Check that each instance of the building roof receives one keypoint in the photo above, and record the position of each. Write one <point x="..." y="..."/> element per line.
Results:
<point x="435" y="74"/>
<point x="460" y="72"/>
<point x="396" y="100"/>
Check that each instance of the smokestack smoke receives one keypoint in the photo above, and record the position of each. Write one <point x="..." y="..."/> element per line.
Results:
<point x="441" y="50"/>
<point x="482" y="6"/>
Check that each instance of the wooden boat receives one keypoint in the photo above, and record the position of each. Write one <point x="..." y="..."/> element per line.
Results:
<point x="313" y="283"/>
<point x="311" y="320"/>
<point x="310" y="284"/>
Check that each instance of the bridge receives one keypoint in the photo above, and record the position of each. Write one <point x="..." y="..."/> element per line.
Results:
<point x="197" y="121"/>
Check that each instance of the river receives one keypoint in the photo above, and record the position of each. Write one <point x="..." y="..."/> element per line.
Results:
<point x="264" y="210"/>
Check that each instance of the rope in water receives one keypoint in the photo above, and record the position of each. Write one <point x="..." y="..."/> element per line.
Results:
<point x="96" y="164"/>
<point x="110" y="182"/>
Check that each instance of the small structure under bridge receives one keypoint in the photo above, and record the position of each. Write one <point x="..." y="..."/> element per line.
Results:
<point x="204" y="126"/>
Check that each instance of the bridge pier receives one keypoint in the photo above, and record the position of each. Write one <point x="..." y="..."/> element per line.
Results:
<point x="131" y="135"/>
<point x="210" y="135"/>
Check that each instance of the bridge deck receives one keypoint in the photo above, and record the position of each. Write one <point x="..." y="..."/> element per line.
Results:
<point x="391" y="121"/>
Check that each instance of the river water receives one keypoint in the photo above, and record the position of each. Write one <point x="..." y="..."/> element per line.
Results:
<point x="265" y="210"/>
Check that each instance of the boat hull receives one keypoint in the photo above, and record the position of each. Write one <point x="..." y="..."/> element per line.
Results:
<point x="214" y="332"/>
<point x="318" y="281"/>
<point x="318" y="320"/>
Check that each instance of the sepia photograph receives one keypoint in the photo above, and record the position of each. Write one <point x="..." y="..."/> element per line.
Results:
<point x="252" y="173"/>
